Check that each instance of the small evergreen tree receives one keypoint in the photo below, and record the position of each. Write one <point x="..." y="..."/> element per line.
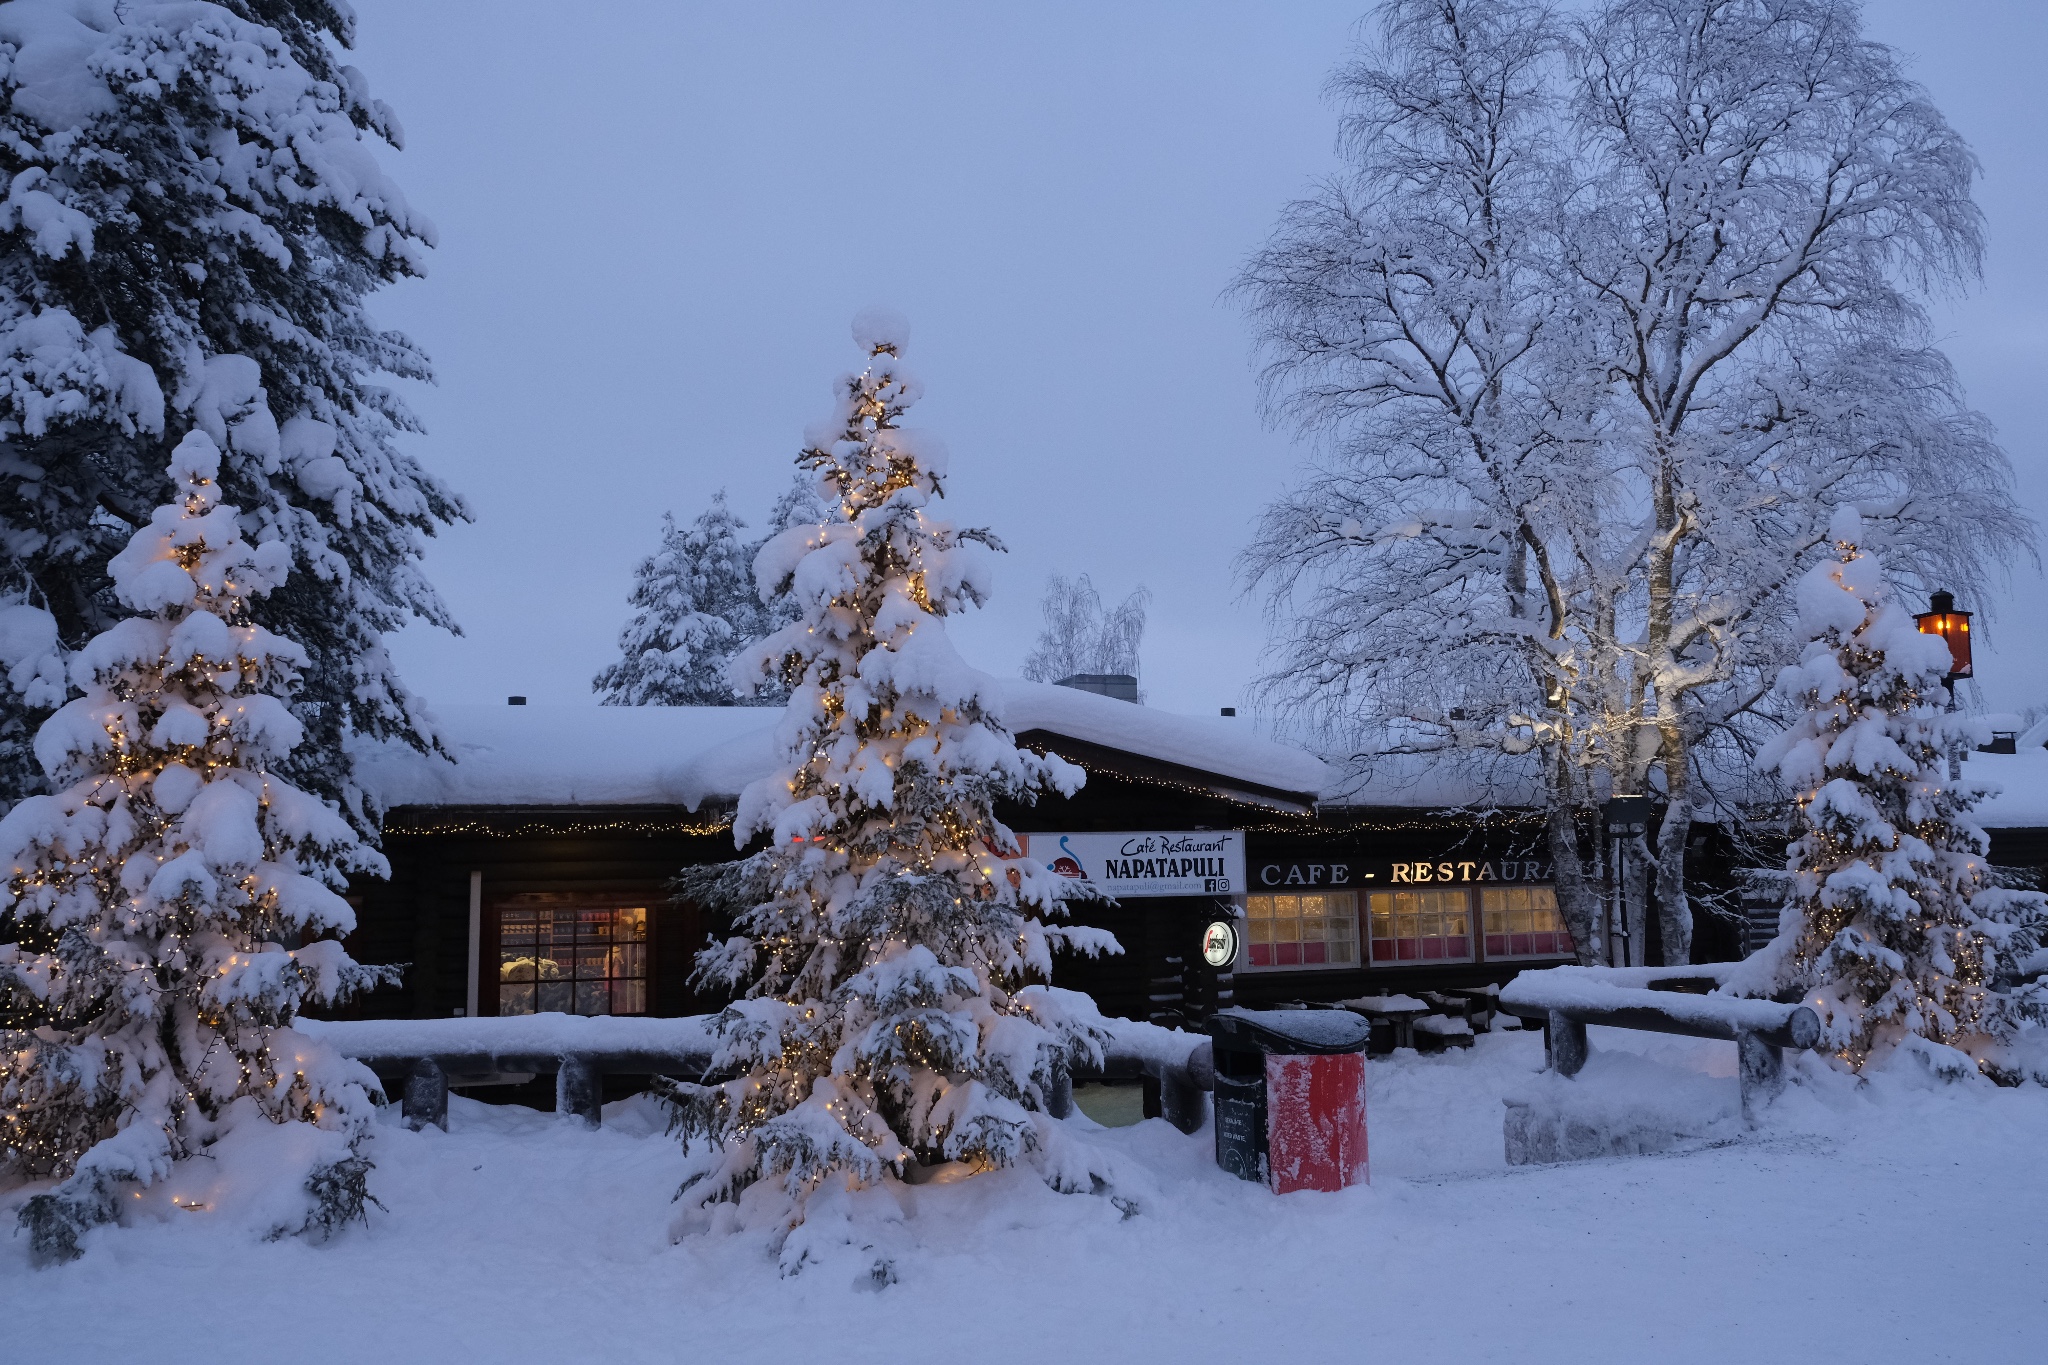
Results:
<point x="694" y="608"/>
<point x="1894" y="927"/>
<point x="152" y="992"/>
<point x="885" y="944"/>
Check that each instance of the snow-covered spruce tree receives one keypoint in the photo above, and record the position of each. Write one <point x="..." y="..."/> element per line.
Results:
<point x="694" y="608"/>
<point x="1894" y="927"/>
<point x="885" y="946"/>
<point x="801" y="504"/>
<point x="32" y="684"/>
<point x="1081" y="635"/>
<point x="152" y="990"/>
<point x="192" y="220"/>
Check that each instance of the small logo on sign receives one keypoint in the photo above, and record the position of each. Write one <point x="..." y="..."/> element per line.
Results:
<point x="1219" y="943"/>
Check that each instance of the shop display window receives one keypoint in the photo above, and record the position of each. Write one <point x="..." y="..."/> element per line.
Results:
<point x="1421" y="926"/>
<point x="568" y="954"/>
<point x="1319" y="929"/>
<point x="1523" y="921"/>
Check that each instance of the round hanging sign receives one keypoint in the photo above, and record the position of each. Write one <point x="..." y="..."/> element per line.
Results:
<point x="1219" y="943"/>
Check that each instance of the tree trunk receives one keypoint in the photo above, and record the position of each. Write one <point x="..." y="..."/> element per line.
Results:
<point x="1674" y="910"/>
<point x="1577" y="900"/>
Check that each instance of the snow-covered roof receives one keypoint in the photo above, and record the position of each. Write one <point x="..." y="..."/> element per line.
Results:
<point x="2022" y="780"/>
<point x="565" y="756"/>
<point x="687" y="755"/>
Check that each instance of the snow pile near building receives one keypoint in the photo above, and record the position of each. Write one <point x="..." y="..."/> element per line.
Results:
<point x="1620" y="1104"/>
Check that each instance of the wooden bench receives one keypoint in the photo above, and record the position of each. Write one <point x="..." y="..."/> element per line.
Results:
<point x="1567" y="999"/>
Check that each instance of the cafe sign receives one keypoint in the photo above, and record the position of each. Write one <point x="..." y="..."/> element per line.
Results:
<point x="1204" y="862"/>
<point x="1322" y="875"/>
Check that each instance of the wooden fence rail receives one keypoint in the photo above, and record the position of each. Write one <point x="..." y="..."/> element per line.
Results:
<point x="1567" y="999"/>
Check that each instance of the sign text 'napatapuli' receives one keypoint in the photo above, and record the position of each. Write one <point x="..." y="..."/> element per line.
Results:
<point x="1200" y="862"/>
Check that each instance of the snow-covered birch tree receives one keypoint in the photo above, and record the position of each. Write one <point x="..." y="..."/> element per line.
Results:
<point x="887" y="942"/>
<point x="146" y="1009"/>
<point x="1422" y="577"/>
<point x="1602" y="324"/>
<point x="1894" y="926"/>
<point x="1081" y="634"/>
<point x="1766" y="193"/>
<point x="194" y="217"/>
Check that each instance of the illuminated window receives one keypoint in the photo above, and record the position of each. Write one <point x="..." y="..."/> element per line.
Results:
<point x="1319" y="929"/>
<point x="561" y="953"/>
<point x="1522" y="921"/>
<point x="1421" y="926"/>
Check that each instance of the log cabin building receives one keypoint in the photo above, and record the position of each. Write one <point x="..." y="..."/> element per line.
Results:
<point x="532" y="874"/>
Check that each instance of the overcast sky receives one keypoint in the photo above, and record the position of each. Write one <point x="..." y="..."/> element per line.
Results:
<point x="657" y="219"/>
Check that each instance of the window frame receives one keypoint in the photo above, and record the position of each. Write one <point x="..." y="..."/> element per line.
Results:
<point x="490" y="966"/>
<point x="1343" y="895"/>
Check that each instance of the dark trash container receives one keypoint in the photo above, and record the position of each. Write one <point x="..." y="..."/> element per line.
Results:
<point x="1290" y="1097"/>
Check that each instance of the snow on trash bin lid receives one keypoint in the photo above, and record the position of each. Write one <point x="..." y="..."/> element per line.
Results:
<point x="1300" y="1031"/>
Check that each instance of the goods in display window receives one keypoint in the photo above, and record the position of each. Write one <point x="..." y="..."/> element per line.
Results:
<point x="1319" y="929"/>
<point x="571" y="957"/>
<point x="1421" y="926"/>
<point x="1523" y="921"/>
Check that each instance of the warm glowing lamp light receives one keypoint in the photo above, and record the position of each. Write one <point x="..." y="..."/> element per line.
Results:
<point x="1941" y="618"/>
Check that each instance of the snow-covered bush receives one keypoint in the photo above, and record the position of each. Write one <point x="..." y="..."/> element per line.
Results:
<point x="1894" y="928"/>
<point x="192" y="218"/>
<point x="176" y="900"/>
<point x="887" y="943"/>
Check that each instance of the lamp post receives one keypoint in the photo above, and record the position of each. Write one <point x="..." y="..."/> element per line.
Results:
<point x="1627" y="819"/>
<point x="1941" y="618"/>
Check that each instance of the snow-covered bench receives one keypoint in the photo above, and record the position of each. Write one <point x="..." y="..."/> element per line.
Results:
<point x="427" y="1055"/>
<point x="1567" y="999"/>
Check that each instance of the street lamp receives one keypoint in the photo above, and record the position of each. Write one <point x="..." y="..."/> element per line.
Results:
<point x="1627" y="819"/>
<point x="1941" y="618"/>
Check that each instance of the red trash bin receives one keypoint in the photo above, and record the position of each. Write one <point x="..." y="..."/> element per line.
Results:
<point x="1290" y="1097"/>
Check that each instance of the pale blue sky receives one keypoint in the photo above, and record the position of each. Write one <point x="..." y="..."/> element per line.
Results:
<point x="657" y="218"/>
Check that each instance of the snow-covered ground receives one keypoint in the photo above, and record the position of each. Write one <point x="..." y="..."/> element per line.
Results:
<point x="1892" y="1220"/>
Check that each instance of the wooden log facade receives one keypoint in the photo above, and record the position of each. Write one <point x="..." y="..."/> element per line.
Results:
<point x="565" y="903"/>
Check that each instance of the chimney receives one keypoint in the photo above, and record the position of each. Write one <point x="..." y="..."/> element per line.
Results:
<point x="1122" y="686"/>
